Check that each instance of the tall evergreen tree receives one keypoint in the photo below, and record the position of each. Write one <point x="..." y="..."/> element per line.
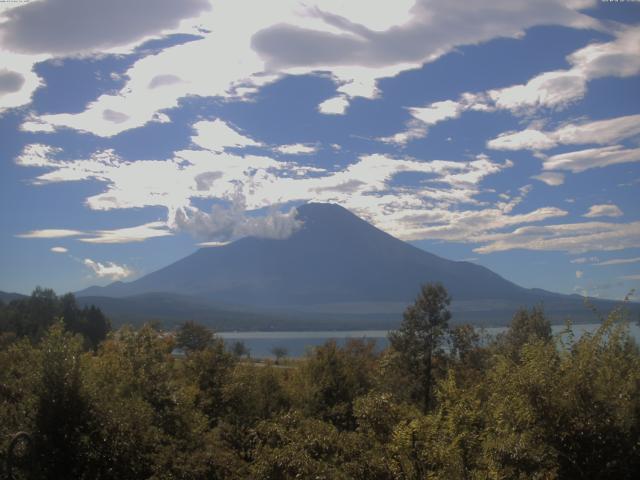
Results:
<point x="420" y="335"/>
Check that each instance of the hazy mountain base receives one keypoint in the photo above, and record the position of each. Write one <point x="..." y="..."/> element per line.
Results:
<point x="6" y="297"/>
<point x="172" y="309"/>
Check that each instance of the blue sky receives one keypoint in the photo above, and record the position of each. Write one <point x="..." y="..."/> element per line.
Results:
<point x="504" y="133"/>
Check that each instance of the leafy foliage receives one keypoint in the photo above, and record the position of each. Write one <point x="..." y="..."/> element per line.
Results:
<point x="524" y="405"/>
<point x="192" y="336"/>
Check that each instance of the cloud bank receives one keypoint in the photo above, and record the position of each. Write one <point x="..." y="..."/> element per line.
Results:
<point x="553" y="90"/>
<point x="352" y="43"/>
<point x="109" y="270"/>
<point x="223" y="224"/>
<point x="65" y="27"/>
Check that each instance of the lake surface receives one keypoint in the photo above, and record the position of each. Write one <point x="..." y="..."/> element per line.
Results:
<point x="261" y="344"/>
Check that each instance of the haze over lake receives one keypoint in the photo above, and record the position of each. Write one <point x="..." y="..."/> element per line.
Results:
<point x="260" y="344"/>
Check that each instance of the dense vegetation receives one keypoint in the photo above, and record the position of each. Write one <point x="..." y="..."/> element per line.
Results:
<point x="440" y="403"/>
<point x="33" y="316"/>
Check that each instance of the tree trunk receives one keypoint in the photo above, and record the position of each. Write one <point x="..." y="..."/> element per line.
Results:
<point x="427" y="383"/>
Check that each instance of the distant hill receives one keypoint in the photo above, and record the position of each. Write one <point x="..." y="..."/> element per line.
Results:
<point x="337" y="266"/>
<point x="6" y="297"/>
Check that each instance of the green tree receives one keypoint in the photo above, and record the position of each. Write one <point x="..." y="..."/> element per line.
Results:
<point x="333" y="378"/>
<point x="468" y="354"/>
<point x="32" y="316"/>
<point x="279" y="353"/>
<point x="149" y="425"/>
<point x="446" y="442"/>
<point x="63" y="411"/>
<point x="420" y="336"/>
<point x="20" y="376"/>
<point x="526" y="326"/>
<point x="209" y="369"/>
<point x="239" y="349"/>
<point x="251" y="395"/>
<point x="292" y="446"/>
<point x="89" y="321"/>
<point x="193" y="337"/>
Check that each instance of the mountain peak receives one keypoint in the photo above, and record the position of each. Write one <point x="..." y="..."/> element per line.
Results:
<point x="330" y="221"/>
<point x="324" y="212"/>
<point x="316" y="207"/>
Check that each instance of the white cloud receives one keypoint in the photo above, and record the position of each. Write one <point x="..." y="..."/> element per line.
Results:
<point x="33" y="125"/>
<point x="581" y="160"/>
<point x="604" y="210"/>
<point x="334" y="106"/>
<point x="471" y="226"/>
<point x="108" y="270"/>
<point x="37" y="155"/>
<point x="50" y="233"/>
<point x="17" y="79"/>
<point x="553" y="179"/>
<point x="297" y="149"/>
<point x="600" y="132"/>
<point x="423" y="117"/>
<point x="223" y="224"/>
<point x="414" y="129"/>
<point x="573" y="238"/>
<point x="579" y="273"/>
<point x="436" y="112"/>
<point x="138" y="233"/>
<point x="218" y="135"/>
<point x="212" y="244"/>
<point x="239" y="53"/>
<point x="559" y="88"/>
<point x="123" y="235"/>
<point x="526" y="139"/>
<point x="548" y="90"/>
<point x="583" y="260"/>
<point x="618" y="261"/>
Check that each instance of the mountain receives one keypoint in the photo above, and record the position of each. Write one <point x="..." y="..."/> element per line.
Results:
<point x="335" y="264"/>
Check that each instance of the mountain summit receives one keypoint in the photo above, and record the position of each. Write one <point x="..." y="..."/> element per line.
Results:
<point x="336" y="262"/>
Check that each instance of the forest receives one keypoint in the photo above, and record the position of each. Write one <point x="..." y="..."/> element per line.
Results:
<point x="443" y="401"/>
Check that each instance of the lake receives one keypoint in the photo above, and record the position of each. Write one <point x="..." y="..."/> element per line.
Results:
<point x="260" y="344"/>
